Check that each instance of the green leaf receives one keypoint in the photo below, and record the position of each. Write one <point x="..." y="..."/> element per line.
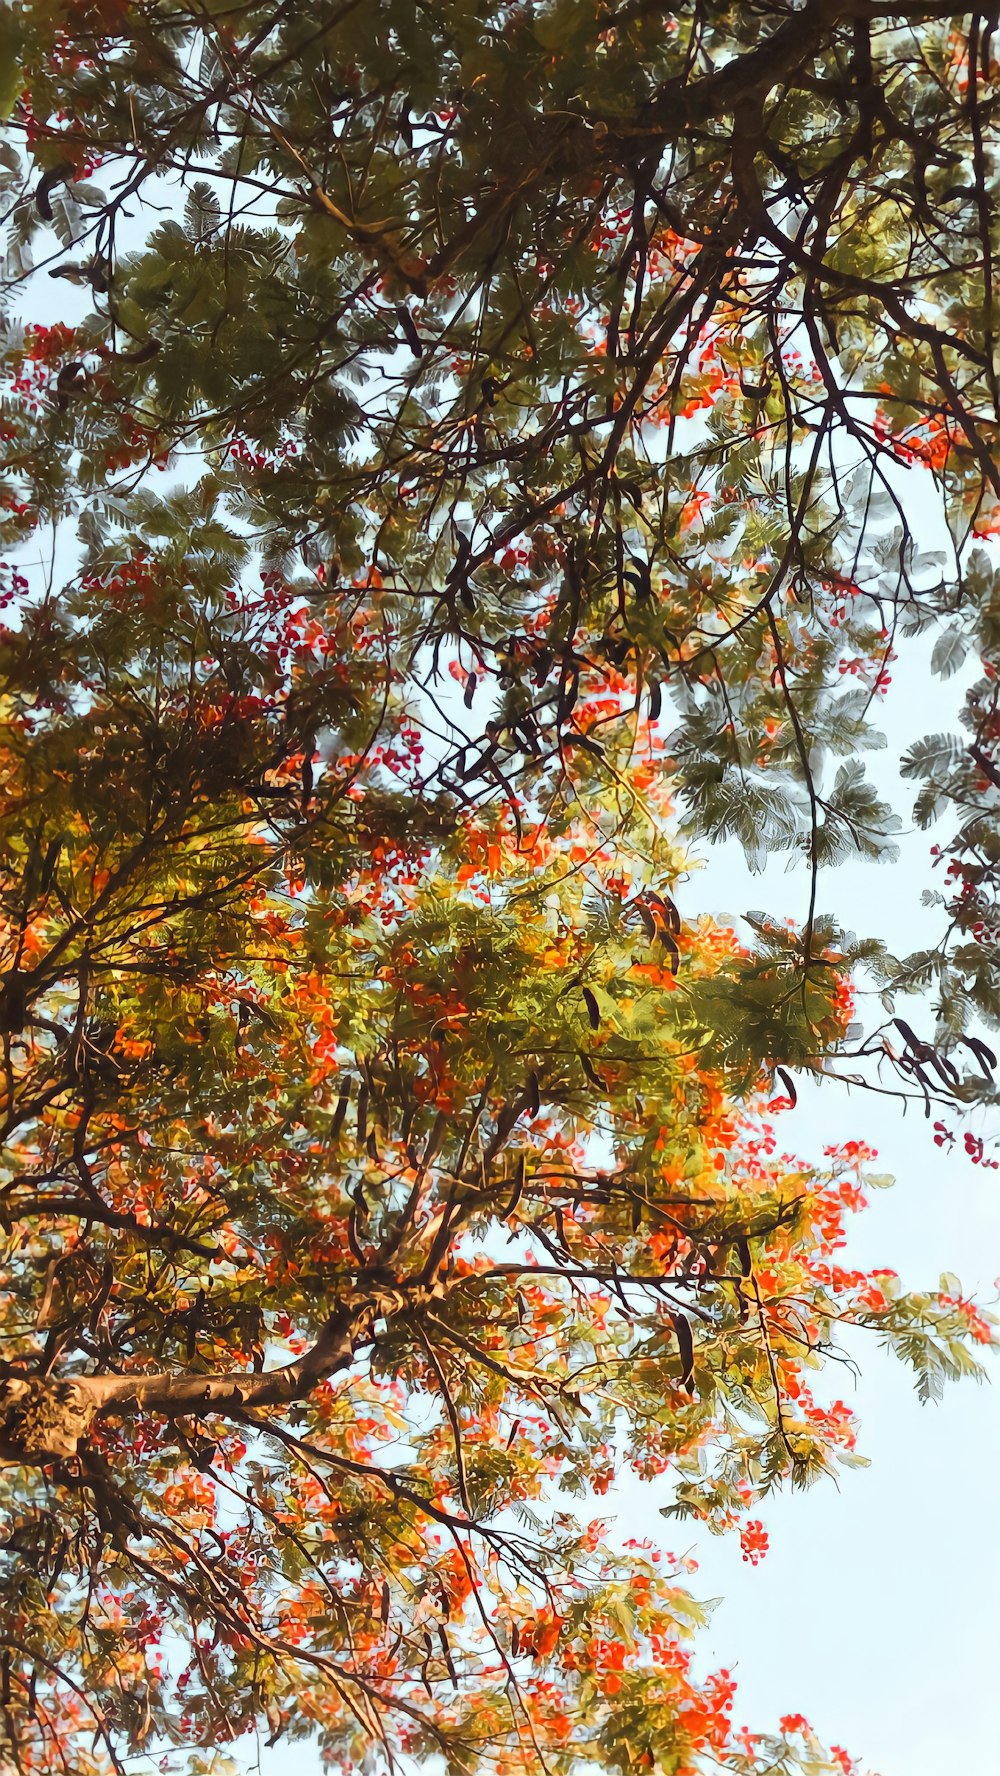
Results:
<point x="202" y="211"/>
<point x="949" y="652"/>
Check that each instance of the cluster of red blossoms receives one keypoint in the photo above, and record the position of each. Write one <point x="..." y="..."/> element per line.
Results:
<point x="754" y="1541"/>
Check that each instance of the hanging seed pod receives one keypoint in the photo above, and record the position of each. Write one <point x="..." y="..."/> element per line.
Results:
<point x="685" y="1344"/>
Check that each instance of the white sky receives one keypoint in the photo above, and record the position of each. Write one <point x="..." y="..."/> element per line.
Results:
<point x="875" y="1613"/>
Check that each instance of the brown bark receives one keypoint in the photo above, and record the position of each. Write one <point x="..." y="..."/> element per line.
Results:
<point x="44" y="1418"/>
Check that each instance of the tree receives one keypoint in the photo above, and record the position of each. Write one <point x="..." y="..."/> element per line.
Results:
<point x="601" y="335"/>
<point x="388" y="1151"/>
<point x="370" y="1172"/>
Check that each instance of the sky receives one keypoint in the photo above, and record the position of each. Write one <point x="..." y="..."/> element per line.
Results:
<point x="875" y="1613"/>
<point x="877" y="1609"/>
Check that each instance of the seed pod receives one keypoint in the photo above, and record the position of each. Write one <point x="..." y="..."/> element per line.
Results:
<point x="49" y="865"/>
<point x="142" y="353"/>
<point x="788" y="1083"/>
<point x="591" y="1071"/>
<point x="446" y="1650"/>
<point x="641" y="579"/>
<point x="70" y="380"/>
<point x="515" y="1195"/>
<point x="983" y="1053"/>
<point x="341" y="1111"/>
<point x="409" y="328"/>
<point x="56" y="175"/>
<point x="648" y="922"/>
<point x="685" y="1344"/>
<point x="672" y="951"/>
<point x="352" y="1237"/>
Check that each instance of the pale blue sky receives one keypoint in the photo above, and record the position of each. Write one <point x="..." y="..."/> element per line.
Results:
<point x="875" y="1613"/>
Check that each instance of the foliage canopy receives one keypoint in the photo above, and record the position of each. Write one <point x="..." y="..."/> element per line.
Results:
<point x="471" y="464"/>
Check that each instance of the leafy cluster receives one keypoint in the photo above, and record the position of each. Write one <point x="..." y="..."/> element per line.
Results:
<point x="596" y="340"/>
<point x="372" y="1195"/>
<point x="465" y="468"/>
